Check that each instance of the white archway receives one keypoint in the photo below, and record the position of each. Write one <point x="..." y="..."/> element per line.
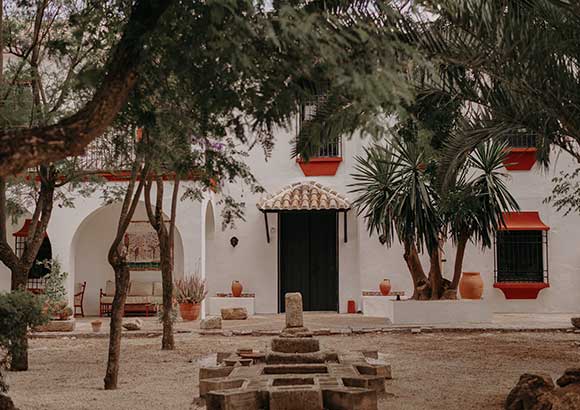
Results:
<point x="90" y="247"/>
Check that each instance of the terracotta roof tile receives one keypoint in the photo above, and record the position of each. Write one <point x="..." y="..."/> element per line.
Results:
<point x="304" y="196"/>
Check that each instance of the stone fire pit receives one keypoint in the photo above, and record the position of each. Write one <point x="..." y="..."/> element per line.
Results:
<point x="294" y="374"/>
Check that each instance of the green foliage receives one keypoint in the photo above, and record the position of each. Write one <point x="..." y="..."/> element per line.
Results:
<point x="3" y="366"/>
<point x="397" y="196"/>
<point x="19" y="311"/>
<point x="565" y="196"/>
<point x="513" y="64"/>
<point x="56" y="303"/>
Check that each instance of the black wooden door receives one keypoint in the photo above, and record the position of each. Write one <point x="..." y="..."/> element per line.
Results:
<point x="308" y="258"/>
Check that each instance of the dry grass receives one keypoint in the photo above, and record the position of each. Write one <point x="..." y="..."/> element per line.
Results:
<point x="431" y="370"/>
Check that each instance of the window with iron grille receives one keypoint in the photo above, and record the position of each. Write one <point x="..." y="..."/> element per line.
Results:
<point x="521" y="256"/>
<point x="307" y="112"/>
<point x="522" y="141"/>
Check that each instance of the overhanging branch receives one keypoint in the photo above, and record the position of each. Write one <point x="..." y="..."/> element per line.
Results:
<point x="23" y="148"/>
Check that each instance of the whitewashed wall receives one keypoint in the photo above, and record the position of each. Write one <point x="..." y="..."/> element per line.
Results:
<point x="80" y="238"/>
<point x="363" y="261"/>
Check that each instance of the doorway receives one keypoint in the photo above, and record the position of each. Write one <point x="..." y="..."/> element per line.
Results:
<point x="308" y="258"/>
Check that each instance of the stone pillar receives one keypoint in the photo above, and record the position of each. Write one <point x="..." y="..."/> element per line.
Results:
<point x="294" y="317"/>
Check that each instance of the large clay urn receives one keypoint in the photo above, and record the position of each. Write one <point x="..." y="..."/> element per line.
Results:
<point x="237" y="289"/>
<point x="471" y="285"/>
<point x="189" y="311"/>
<point x="385" y="287"/>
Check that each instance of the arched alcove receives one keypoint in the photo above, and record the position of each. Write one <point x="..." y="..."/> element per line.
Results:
<point x="90" y="247"/>
<point x="209" y="222"/>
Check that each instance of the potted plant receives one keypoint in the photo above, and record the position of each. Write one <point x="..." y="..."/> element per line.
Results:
<point x="190" y="292"/>
<point x="56" y="304"/>
<point x="96" y="325"/>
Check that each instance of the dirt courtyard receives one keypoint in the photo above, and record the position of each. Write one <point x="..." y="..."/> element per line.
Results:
<point x="451" y="370"/>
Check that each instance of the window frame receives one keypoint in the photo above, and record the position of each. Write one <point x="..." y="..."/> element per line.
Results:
<point x="544" y="254"/>
<point x="332" y="149"/>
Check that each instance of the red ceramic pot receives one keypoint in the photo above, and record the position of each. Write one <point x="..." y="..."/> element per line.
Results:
<point x="189" y="311"/>
<point x="471" y="285"/>
<point x="237" y="289"/>
<point x="385" y="287"/>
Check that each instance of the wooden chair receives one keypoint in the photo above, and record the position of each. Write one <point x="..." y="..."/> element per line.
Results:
<point x="79" y="298"/>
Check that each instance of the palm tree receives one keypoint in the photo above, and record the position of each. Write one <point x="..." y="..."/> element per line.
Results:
<point x="473" y="207"/>
<point x="397" y="197"/>
<point x="515" y="64"/>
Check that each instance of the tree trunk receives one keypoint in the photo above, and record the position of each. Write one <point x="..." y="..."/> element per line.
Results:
<point x="435" y="275"/>
<point x="19" y="277"/>
<point x="122" y="274"/>
<point x="165" y="236"/>
<point x="459" y="254"/>
<point x="122" y="280"/>
<point x="167" y="341"/>
<point x="19" y="351"/>
<point x="421" y="286"/>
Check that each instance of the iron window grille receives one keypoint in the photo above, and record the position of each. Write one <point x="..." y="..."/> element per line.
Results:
<point x="522" y="141"/>
<point x="307" y="111"/>
<point x="521" y="256"/>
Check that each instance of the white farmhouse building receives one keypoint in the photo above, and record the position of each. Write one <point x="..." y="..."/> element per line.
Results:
<point x="303" y="236"/>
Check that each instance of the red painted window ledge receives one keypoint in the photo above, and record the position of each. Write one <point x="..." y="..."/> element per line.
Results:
<point x="521" y="290"/>
<point x="320" y="166"/>
<point x="520" y="159"/>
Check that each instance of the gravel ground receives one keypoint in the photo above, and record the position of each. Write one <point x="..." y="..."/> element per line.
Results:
<point x="451" y="370"/>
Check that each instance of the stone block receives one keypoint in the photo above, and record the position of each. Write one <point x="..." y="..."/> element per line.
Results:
<point x="383" y="370"/>
<point x="234" y="314"/>
<point x="296" y="398"/>
<point x="575" y="322"/>
<point x="211" y="323"/>
<point x="238" y="361"/>
<point x="290" y="358"/>
<point x="349" y="398"/>
<point x="294" y="310"/>
<point x="134" y="324"/>
<point x="207" y="385"/>
<point x="370" y="354"/>
<point x="214" y="372"/>
<point x="57" y="326"/>
<point x="238" y="399"/>
<point x="295" y="345"/>
<point x="221" y="356"/>
<point x="375" y="383"/>
<point x="296" y="332"/>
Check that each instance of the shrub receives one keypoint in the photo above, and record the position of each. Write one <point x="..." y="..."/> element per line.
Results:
<point x="190" y="290"/>
<point x="19" y="310"/>
<point x="55" y="291"/>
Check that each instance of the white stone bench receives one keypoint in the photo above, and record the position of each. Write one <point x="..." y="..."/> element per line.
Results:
<point x="437" y="312"/>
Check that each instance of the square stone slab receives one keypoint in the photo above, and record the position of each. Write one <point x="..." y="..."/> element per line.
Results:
<point x="349" y="398"/>
<point x="238" y="399"/>
<point x="295" y="345"/>
<point x="296" y="398"/>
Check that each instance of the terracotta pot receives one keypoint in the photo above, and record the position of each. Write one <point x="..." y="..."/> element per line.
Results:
<point x="385" y="287"/>
<point x="189" y="311"/>
<point x="471" y="285"/>
<point x="237" y="289"/>
<point x="96" y="326"/>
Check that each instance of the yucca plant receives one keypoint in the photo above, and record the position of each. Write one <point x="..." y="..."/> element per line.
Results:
<point x="397" y="196"/>
<point x="190" y="290"/>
